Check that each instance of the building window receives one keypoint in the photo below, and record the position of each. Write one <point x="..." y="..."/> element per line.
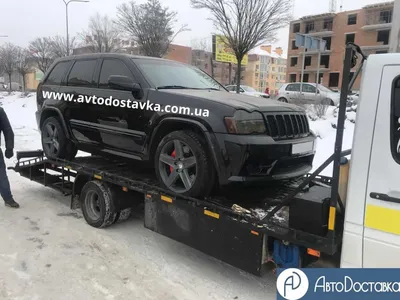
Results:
<point x="350" y="37"/>
<point x="307" y="61"/>
<point x="296" y="27"/>
<point x="292" y="77"/>
<point x="333" y="79"/>
<point x="328" y="24"/>
<point x="309" y="27"/>
<point x="383" y="36"/>
<point x="352" y="19"/>
<point x="321" y="76"/>
<point x="328" y="42"/>
<point x="294" y="47"/>
<point x="385" y="16"/>
<point x="305" y="77"/>
<point x="325" y="61"/>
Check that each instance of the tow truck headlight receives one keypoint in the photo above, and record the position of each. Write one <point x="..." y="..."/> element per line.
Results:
<point x="244" y="122"/>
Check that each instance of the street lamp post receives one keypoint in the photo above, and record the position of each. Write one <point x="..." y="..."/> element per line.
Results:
<point x="66" y="18"/>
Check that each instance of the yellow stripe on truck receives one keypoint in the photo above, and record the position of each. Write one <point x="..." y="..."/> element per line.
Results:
<point x="383" y="219"/>
<point x="332" y="217"/>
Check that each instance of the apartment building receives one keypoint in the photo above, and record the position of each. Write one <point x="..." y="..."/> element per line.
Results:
<point x="266" y="69"/>
<point x="369" y="27"/>
<point x="203" y="60"/>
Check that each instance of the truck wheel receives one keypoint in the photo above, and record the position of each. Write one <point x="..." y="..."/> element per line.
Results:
<point x="54" y="141"/>
<point x="97" y="204"/>
<point x="183" y="166"/>
<point x="123" y="215"/>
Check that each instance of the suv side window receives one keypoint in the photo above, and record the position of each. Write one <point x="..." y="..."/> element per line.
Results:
<point x="395" y="122"/>
<point x="112" y="67"/>
<point x="56" y="75"/>
<point x="308" y="88"/>
<point x="82" y="73"/>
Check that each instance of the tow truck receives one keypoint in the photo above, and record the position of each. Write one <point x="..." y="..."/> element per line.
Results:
<point x="352" y="217"/>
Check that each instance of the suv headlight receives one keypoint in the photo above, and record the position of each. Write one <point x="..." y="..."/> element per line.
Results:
<point x="244" y="122"/>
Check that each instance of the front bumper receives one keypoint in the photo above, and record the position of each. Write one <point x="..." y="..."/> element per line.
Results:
<point x="260" y="158"/>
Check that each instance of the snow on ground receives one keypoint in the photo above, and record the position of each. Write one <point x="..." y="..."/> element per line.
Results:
<point x="326" y="137"/>
<point x="49" y="252"/>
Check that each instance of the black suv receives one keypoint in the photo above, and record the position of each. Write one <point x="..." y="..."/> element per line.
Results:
<point x="172" y="116"/>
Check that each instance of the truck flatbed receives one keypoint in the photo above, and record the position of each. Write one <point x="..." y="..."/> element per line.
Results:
<point x="231" y="226"/>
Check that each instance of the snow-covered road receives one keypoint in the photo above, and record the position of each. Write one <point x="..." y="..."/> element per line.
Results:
<point x="49" y="252"/>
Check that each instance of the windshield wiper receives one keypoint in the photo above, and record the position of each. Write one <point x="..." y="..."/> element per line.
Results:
<point x="168" y="87"/>
<point x="209" y="88"/>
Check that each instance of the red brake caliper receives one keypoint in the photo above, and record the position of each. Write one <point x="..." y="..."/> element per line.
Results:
<point x="173" y="154"/>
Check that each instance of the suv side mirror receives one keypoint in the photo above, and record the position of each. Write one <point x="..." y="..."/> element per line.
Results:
<point x="123" y="83"/>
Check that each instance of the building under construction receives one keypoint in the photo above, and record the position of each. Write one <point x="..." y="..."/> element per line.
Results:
<point x="369" y="27"/>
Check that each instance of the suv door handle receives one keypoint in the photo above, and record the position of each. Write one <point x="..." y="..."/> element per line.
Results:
<point x="384" y="197"/>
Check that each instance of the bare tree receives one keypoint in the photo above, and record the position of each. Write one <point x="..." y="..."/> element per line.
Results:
<point x="23" y="64"/>
<point x="201" y="44"/>
<point x="41" y="50"/>
<point x="8" y="60"/>
<point x="102" y="34"/>
<point x="320" y="107"/>
<point x="59" y="46"/>
<point x="150" y="25"/>
<point x="246" y="24"/>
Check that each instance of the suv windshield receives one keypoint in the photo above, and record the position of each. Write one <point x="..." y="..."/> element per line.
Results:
<point x="165" y="74"/>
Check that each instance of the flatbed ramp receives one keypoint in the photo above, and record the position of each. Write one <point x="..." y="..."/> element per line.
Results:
<point x="232" y="226"/>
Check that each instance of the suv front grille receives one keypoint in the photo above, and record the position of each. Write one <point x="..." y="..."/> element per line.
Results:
<point x="287" y="125"/>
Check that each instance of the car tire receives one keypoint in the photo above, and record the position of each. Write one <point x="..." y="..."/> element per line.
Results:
<point x="283" y="100"/>
<point x="97" y="203"/>
<point x="193" y="149"/>
<point x="55" y="143"/>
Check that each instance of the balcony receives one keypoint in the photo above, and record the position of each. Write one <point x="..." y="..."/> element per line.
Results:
<point x="375" y="48"/>
<point x="378" y="19"/>
<point x="319" y="27"/>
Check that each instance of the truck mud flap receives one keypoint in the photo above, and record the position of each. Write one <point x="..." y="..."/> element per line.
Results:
<point x="212" y="233"/>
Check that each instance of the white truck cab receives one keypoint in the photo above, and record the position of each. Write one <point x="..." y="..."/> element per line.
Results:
<point x="371" y="237"/>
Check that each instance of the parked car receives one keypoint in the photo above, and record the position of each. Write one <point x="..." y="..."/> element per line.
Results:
<point x="354" y="97"/>
<point x="212" y="136"/>
<point x="290" y="93"/>
<point x="247" y="90"/>
<point x="15" y="86"/>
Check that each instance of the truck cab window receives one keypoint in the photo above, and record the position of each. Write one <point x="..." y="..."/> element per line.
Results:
<point x="395" y="130"/>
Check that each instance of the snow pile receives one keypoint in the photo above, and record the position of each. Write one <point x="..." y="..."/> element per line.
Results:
<point x="325" y="129"/>
<point x="21" y="109"/>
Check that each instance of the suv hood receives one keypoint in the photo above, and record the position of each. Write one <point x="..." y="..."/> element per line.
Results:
<point x="238" y="101"/>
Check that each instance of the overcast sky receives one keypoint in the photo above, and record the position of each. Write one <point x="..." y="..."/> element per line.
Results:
<point x="24" y="20"/>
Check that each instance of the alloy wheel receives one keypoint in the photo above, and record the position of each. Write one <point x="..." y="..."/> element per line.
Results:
<point x="51" y="139"/>
<point x="178" y="166"/>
